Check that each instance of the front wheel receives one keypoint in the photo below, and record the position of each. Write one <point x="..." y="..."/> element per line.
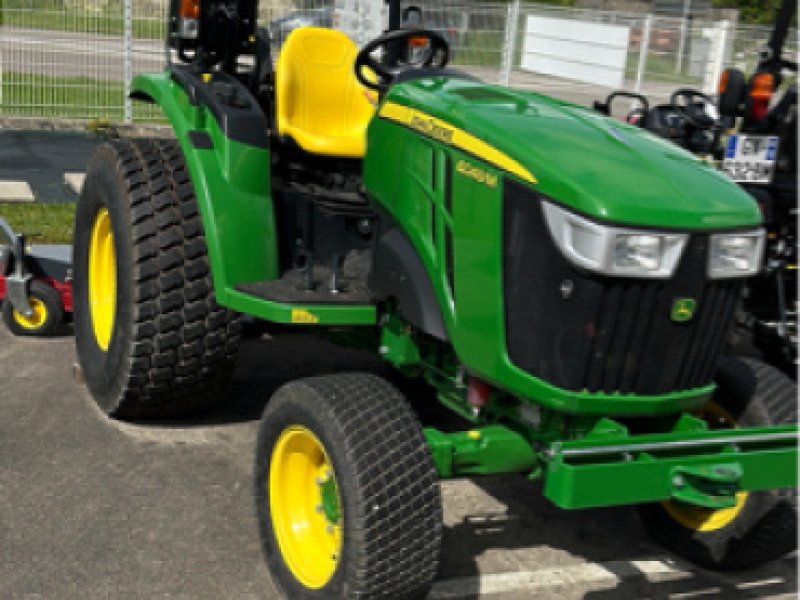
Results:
<point x="761" y="526"/>
<point x="347" y="496"/>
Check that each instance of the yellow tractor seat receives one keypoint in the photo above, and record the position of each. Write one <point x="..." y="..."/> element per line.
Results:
<point x="319" y="102"/>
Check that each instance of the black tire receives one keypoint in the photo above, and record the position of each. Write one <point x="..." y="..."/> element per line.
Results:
<point x="48" y="323"/>
<point x="754" y="394"/>
<point x="386" y="479"/>
<point x="172" y="348"/>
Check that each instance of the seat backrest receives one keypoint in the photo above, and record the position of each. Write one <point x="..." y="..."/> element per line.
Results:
<point x="319" y="102"/>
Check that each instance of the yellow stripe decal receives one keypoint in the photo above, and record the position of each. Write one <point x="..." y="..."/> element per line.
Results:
<point x="458" y="138"/>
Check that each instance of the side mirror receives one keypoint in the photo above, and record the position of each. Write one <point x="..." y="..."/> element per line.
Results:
<point x="731" y="92"/>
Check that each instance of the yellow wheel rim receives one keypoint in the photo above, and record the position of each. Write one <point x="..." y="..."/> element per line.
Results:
<point x="37" y="319"/>
<point x="701" y="519"/>
<point x="102" y="279"/>
<point x="697" y="518"/>
<point x="305" y="507"/>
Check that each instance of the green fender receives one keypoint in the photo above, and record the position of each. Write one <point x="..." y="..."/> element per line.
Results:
<point x="232" y="184"/>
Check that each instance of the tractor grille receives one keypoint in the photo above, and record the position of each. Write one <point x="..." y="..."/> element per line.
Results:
<point x="585" y="332"/>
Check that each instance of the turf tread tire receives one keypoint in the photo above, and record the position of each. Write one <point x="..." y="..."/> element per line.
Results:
<point x="387" y="481"/>
<point x="756" y="394"/>
<point x="167" y="316"/>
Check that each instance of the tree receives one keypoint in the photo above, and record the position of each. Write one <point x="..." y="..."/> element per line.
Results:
<point x="762" y="12"/>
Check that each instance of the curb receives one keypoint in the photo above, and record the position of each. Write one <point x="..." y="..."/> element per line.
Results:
<point x="74" y="182"/>
<point x="16" y="191"/>
<point x="113" y="130"/>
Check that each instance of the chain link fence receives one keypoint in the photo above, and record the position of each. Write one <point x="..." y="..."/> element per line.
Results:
<point x="75" y="59"/>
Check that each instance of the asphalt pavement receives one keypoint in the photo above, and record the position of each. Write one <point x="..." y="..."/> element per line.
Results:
<point x="41" y="159"/>
<point x="94" y="508"/>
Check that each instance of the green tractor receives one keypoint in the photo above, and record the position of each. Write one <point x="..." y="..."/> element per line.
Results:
<point x="563" y="282"/>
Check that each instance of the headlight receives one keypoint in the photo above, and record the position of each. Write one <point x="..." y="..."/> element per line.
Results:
<point x="614" y="251"/>
<point x="735" y="254"/>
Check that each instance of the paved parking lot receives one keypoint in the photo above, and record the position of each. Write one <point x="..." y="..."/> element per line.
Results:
<point x="98" y="509"/>
<point x="44" y="161"/>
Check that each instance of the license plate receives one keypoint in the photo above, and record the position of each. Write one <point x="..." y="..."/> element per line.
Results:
<point x="751" y="158"/>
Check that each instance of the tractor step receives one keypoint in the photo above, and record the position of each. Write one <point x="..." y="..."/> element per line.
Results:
<point x="298" y="286"/>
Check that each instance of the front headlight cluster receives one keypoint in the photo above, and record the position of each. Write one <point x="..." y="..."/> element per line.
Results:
<point x="624" y="252"/>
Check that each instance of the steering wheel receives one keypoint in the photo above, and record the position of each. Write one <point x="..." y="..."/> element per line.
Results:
<point x="684" y="101"/>
<point x="435" y="55"/>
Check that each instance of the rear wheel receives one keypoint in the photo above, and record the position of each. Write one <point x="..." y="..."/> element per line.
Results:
<point x="48" y="312"/>
<point x="151" y="340"/>
<point x="347" y="496"/>
<point x="761" y="526"/>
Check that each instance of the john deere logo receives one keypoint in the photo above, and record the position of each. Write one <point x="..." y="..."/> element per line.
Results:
<point x="683" y="309"/>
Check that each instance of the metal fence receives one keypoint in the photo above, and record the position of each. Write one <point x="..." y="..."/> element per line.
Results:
<point x="75" y="59"/>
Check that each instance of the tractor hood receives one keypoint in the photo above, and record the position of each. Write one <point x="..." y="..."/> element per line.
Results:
<point x="598" y="166"/>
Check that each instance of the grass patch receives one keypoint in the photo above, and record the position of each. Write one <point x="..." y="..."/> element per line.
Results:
<point x="108" y="21"/>
<point x="479" y="48"/>
<point x="51" y="222"/>
<point x="660" y="68"/>
<point x="26" y="94"/>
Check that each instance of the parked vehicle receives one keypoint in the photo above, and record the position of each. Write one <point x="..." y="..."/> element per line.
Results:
<point x="35" y="284"/>
<point x="561" y="281"/>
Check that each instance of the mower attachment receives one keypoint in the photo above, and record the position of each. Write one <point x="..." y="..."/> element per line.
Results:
<point x="700" y="468"/>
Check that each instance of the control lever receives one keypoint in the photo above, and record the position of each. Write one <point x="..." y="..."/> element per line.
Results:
<point x="335" y="272"/>
<point x="308" y="269"/>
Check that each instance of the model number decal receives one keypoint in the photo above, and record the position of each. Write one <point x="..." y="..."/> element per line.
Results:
<point x="476" y="173"/>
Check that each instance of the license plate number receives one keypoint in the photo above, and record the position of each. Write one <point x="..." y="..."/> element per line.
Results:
<point x="751" y="158"/>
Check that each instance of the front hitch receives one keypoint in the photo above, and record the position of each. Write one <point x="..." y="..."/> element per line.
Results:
<point x="699" y="468"/>
<point x="707" y="486"/>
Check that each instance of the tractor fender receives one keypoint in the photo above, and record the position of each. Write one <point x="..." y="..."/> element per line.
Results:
<point x="398" y="273"/>
<point x="223" y="138"/>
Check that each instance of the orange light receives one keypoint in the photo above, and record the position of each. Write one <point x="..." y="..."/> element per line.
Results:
<point x="417" y="42"/>
<point x="760" y="94"/>
<point x="723" y="82"/>
<point x="763" y="85"/>
<point x="190" y="9"/>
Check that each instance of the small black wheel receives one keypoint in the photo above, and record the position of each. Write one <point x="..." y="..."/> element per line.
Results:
<point x="151" y="340"/>
<point x="762" y="526"/>
<point x="347" y="497"/>
<point x="48" y="312"/>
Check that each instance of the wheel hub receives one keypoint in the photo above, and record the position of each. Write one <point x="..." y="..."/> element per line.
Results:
<point x="305" y="507"/>
<point x="37" y="319"/>
<point x="102" y="279"/>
